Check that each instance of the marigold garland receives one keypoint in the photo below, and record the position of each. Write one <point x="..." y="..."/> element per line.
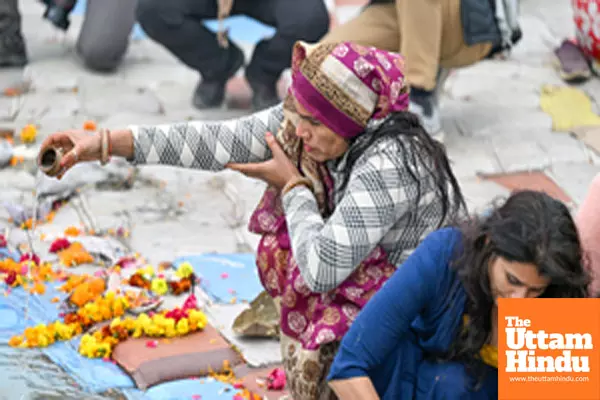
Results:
<point x="146" y="278"/>
<point x="102" y="309"/>
<point x="166" y="324"/>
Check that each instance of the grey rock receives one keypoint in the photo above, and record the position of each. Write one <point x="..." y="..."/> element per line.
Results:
<point x="258" y="352"/>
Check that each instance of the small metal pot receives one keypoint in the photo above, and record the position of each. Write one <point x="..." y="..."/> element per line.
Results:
<point x="49" y="161"/>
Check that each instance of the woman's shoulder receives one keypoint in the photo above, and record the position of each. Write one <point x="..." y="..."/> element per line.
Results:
<point x="388" y="149"/>
<point x="438" y="250"/>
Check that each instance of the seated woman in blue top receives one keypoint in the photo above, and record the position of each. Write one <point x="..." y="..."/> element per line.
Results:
<point x="431" y="331"/>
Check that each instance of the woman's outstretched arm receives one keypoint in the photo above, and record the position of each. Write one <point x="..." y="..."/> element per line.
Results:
<point x="206" y="145"/>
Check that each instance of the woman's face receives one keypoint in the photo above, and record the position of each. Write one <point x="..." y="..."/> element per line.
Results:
<point x="320" y="142"/>
<point x="510" y="279"/>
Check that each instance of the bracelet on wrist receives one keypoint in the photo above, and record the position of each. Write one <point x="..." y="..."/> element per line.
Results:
<point x="106" y="146"/>
<point x="297" y="182"/>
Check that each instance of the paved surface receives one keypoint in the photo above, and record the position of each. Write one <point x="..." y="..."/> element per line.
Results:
<point x="491" y="115"/>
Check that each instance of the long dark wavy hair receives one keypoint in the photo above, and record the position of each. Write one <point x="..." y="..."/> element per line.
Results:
<point x="418" y="150"/>
<point x="530" y="227"/>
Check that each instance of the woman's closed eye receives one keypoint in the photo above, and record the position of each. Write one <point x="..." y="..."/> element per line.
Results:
<point x="313" y="121"/>
<point x="510" y="278"/>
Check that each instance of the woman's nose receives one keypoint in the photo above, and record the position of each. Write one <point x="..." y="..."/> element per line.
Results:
<point x="302" y="131"/>
<point x="519" y="293"/>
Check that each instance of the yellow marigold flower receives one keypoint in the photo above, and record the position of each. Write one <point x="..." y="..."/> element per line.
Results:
<point x="103" y="350"/>
<point x="28" y="133"/>
<point x="159" y="286"/>
<point x="184" y="270"/>
<point x="137" y="331"/>
<point x="43" y="341"/>
<point x="183" y="327"/>
<point x="147" y="270"/>
<point x="115" y="322"/>
<point x="110" y="296"/>
<point x="170" y="332"/>
<point x="198" y="318"/>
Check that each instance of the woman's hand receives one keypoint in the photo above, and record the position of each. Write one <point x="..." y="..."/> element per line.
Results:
<point x="76" y="146"/>
<point x="278" y="171"/>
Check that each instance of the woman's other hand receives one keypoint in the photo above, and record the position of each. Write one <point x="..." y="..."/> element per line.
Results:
<point x="278" y="171"/>
<point x="76" y="145"/>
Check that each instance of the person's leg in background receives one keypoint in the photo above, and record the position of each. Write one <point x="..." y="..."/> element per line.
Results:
<point x="376" y="25"/>
<point x="178" y="26"/>
<point x="104" y="35"/>
<point x="440" y="48"/>
<point x="293" y="20"/>
<point x="413" y="29"/>
<point x="12" y="45"/>
<point x="429" y="34"/>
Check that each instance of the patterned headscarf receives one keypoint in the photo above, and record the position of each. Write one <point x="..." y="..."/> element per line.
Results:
<point x="345" y="85"/>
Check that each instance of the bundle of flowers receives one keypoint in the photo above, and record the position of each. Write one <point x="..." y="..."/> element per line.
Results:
<point x="28" y="273"/>
<point x="102" y="309"/>
<point x="166" y="324"/>
<point x="73" y="255"/>
<point x="83" y="289"/>
<point x="160" y="284"/>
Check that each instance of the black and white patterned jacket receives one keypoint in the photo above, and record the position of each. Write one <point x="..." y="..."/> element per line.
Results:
<point x="376" y="208"/>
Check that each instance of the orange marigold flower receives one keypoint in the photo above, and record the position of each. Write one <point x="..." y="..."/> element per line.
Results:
<point x="15" y="341"/>
<point x="72" y="231"/>
<point x="90" y="126"/>
<point x="38" y="288"/>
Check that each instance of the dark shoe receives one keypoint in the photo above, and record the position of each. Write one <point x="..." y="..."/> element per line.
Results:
<point x="210" y="93"/>
<point x="572" y="64"/>
<point x="424" y="104"/>
<point x="264" y="96"/>
<point x="264" y="87"/>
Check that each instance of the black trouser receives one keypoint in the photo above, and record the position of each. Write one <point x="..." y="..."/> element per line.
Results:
<point x="177" y="25"/>
<point x="10" y="18"/>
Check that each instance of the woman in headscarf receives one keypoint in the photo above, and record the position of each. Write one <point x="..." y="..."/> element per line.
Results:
<point x="354" y="184"/>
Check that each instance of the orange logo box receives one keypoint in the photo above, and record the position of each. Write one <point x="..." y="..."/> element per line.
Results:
<point x="549" y="349"/>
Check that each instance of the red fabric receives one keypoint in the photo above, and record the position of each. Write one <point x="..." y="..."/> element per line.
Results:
<point x="587" y="20"/>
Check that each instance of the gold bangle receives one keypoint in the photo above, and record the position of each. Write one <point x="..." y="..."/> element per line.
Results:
<point x="105" y="145"/>
<point x="296" y="182"/>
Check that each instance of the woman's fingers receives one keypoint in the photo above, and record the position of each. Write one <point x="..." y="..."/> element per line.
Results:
<point x="276" y="149"/>
<point x="69" y="160"/>
<point x="253" y="170"/>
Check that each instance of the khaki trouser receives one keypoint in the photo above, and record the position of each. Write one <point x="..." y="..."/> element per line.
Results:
<point x="428" y="33"/>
